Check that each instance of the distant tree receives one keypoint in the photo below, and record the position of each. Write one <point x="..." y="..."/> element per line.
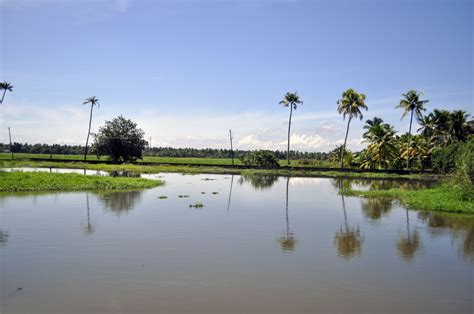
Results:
<point x="350" y="105"/>
<point x="120" y="139"/>
<point x="5" y="86"/>
<point x="94" y="102"/>
<point x="291" y="100"/>
<point x="412" y="103"/>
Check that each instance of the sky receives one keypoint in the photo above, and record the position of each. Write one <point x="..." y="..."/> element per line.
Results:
<point x="188" y="71"/>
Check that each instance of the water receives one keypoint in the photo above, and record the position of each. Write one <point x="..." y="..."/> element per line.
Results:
<point x="259" y="245"/>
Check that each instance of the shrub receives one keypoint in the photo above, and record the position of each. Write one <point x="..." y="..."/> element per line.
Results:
<point x="260" y="158"/>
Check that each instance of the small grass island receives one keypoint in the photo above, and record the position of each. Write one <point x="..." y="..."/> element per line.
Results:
<point x="17" y="181"/>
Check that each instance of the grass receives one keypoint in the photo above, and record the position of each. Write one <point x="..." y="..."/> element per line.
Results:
<point x="442" y="198"/>
<point x="138" y="168"/>
<point x="167" y="160"/>
<point x="42" y="181"/>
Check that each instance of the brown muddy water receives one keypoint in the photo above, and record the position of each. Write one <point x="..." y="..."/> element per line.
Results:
<point x="259" y="245"/>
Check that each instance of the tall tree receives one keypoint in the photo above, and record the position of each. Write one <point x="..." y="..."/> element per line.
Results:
<point x="381" y="138"/>
<point x="291" y="100"/>
<point x="5" y="86"/>
<point x="94" y="102"/>
<point x="459" y="125"/>
<point x="350" y="105"/>
<point x="411" y="103"/>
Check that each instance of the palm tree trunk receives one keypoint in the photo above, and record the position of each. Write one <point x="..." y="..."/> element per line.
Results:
<point x="88" y="133"/>
<point x="4" y="91"/>
<point x="345" y="141"/>
<point x="289" y="128"/>
<point x="408" y="143"/>
<point x="286" y="207"/>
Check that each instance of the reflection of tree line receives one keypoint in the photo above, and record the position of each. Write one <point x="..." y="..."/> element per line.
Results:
<point x="410" y="241"/>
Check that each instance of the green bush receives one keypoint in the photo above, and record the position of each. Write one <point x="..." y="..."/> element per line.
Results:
<point x="260" y="158"/>
<point x="444" y="158"/>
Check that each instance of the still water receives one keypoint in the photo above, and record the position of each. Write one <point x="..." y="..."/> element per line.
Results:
<point x="259" y="245"/>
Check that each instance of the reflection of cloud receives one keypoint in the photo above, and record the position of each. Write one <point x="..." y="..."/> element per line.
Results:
<point x="295" y="181"/>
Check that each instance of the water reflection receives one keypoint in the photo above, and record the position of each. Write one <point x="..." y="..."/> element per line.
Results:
<point x="347" y="239"/>
<point x="376" y="208"/>
<point x="287" y="240"/>
<point x="230" y="192"/>
<point x="410" y="243"/>
<point x="3" y="237"/>
<point x="88" y="228"/>
<point x="259" y="182"/>
<point x="459" y="226"/>
<point x="120" y="202"/>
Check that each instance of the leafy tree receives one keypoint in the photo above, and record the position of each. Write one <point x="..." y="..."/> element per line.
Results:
<point x="94" y="102"/>
<point x="120" y="139"/>
<point x="291" y="100"/>
<point x="459" y="126"/>
<point x="5" y="86"/>
<point x="350" y="105"/>
<point x="260" y="158"/>
<point x="411" y="103"/>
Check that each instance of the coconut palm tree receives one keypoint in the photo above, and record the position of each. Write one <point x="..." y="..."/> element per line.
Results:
<point x="458" y="125"/>
<point x="381" y="138"/>
<point x="94" y="102"/>
<point x="350" y="105"/>
<point x="291" y="100"/>
<point x="412" y="103"/>
<point x="5" y="86"/>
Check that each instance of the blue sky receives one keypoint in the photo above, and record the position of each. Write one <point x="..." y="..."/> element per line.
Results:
<point x="187" y="71"/>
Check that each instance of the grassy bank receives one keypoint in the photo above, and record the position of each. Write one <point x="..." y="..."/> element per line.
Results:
<point x="42" y="181"/>
<point x="211" y="170"/>
<point x="443" y="198"/>
<point x="166" y="160"/>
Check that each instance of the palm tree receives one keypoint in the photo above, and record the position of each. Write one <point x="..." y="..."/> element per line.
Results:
<point x="5" y="86"/>
<point x="291" y="100"/>
<point x="94" y="102"/>
<point x="411" y="103"/>
<point x="458" y="125"/>
<point x="350" y="105"/>
<point x="381" y="137"/>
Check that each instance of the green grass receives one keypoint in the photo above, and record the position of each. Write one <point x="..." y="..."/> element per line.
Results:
<point x="137" y="168"/>
<point x="442" y="198"/>
<point x="42" y="181"/>
<point x="171" y="160"/>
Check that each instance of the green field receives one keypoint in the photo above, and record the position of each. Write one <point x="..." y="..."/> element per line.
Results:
<point x="165" y="160"/>
<point x="43" y="181"/>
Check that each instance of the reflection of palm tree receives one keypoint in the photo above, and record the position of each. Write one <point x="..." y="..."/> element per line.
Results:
<point x="120" y="202"/>
<point x="348" y="240"/>
<point x="288" y="240"/>
<point x="230" y="192"/>
<point x="407" y="246"/>
<point x="88" y="229"/>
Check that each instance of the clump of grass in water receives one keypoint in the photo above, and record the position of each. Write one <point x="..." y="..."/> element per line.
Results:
<point x="215" y="193"/>
<point x="183" y="196"/>
<point x="162" y="197"/>
<point x="197" y="205"/>
<point x="203" y="192"/>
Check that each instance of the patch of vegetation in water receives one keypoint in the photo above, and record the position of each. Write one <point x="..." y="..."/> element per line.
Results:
<point x="443" y="198"/>
<point x="215" y="193"/>
<point x="43" y="181"/>
<point x="162" y="197"/>
<point x="196" y="205"/>
<point x="183" y="196"/>
<point x="203" y="192"/>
